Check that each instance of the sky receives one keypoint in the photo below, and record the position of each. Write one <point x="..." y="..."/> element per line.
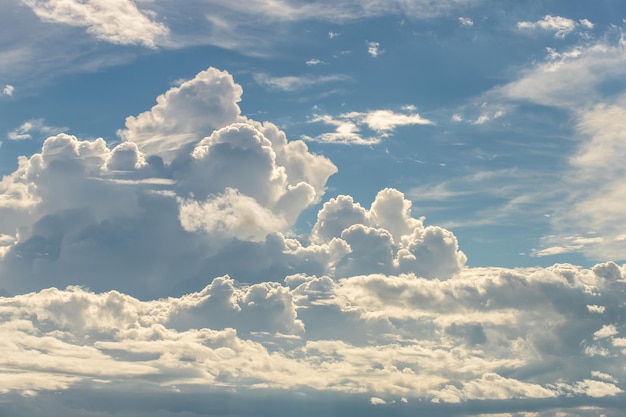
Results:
<point x="285" y="207"/>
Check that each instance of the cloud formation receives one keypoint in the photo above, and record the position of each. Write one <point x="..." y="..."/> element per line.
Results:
<point x="381" y="122"/>
<point x="486" y="337"/>
<point x="115" y="21"/>
<point x="33" y="127"/>
<point x="8" y="90"/>
<point x="166" y="265"/>
<point x="561" y="26"/>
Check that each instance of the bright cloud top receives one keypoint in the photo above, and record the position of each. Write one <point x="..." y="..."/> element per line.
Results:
<point x="8" y="90"/>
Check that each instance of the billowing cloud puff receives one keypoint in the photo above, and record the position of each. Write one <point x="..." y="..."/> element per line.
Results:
<point x="387" y="238"/>
<point x="185" y="114"/>
<point x="573" y="80"/>
<point x="161" y="268"/>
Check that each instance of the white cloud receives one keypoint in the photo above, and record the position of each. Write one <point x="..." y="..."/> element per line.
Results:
<point x="381" y="122"/>
<point x="314" y="61"/>
<point x="64" y="204"/>
<point x="8" y="90"/>
<point x="466" y="22"/>
<point x="33" y="127"/>
<point x="561" y="26"/>
<point x="373" y="48"/>
<point x="371" y="307"/>
<point x="116" y="21"/>
<point x="184" y="115"/>
<point x="294" y="83"/>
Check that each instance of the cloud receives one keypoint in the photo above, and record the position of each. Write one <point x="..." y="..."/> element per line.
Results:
<point x="294" y="83"/>
<point x="418" y="347"/>
<point x="314" y="61"/>
<point x="575" y="80"/>
<point x="184" y="114"/>
<point x="466" y="22"/>
<point x="561" y="26"/>
<point x="160" y="276"/>
<point x="117" y="21"/>
<point x="373" y="48"/>
<point x="68" y="204"/>
<point x="8" y="90"/>
<point x="381" y="122"/>
<point x="33" y="126"/>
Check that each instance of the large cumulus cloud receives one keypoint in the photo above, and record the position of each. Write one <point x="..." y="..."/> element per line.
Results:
<point x="197" y="190"/>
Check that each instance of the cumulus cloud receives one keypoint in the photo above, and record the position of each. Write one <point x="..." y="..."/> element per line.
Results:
<point x="164" y="267"/>
<point x="381" y="122"/>
<point x="185" y="114"/>
<point x="561" y="26"/>
<point x="117" y="21"/>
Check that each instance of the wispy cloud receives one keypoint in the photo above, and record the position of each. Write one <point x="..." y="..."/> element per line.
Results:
<point x="348" y="126"/>
<point x="294" y="82"/>
<point x="466" y="22"/>
<point x="115" y="21"/>
<point x="561" y="26"/>
<point x="35" y="127"/>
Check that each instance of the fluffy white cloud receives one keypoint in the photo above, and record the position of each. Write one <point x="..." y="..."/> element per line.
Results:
<point x="116" y="21"/>
<point x="382" y="122"/>
<point x="387" y="238"/>
<point x="466" y="22"/>
<point x="82" y="212"/>
<point x="8" y="90"/>
<point x="185" y="114"/>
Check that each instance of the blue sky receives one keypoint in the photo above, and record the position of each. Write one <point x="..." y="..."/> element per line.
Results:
<point x="313" y="187"/>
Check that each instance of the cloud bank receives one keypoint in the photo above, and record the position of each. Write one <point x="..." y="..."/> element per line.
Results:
<point x="167" y="266"/>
